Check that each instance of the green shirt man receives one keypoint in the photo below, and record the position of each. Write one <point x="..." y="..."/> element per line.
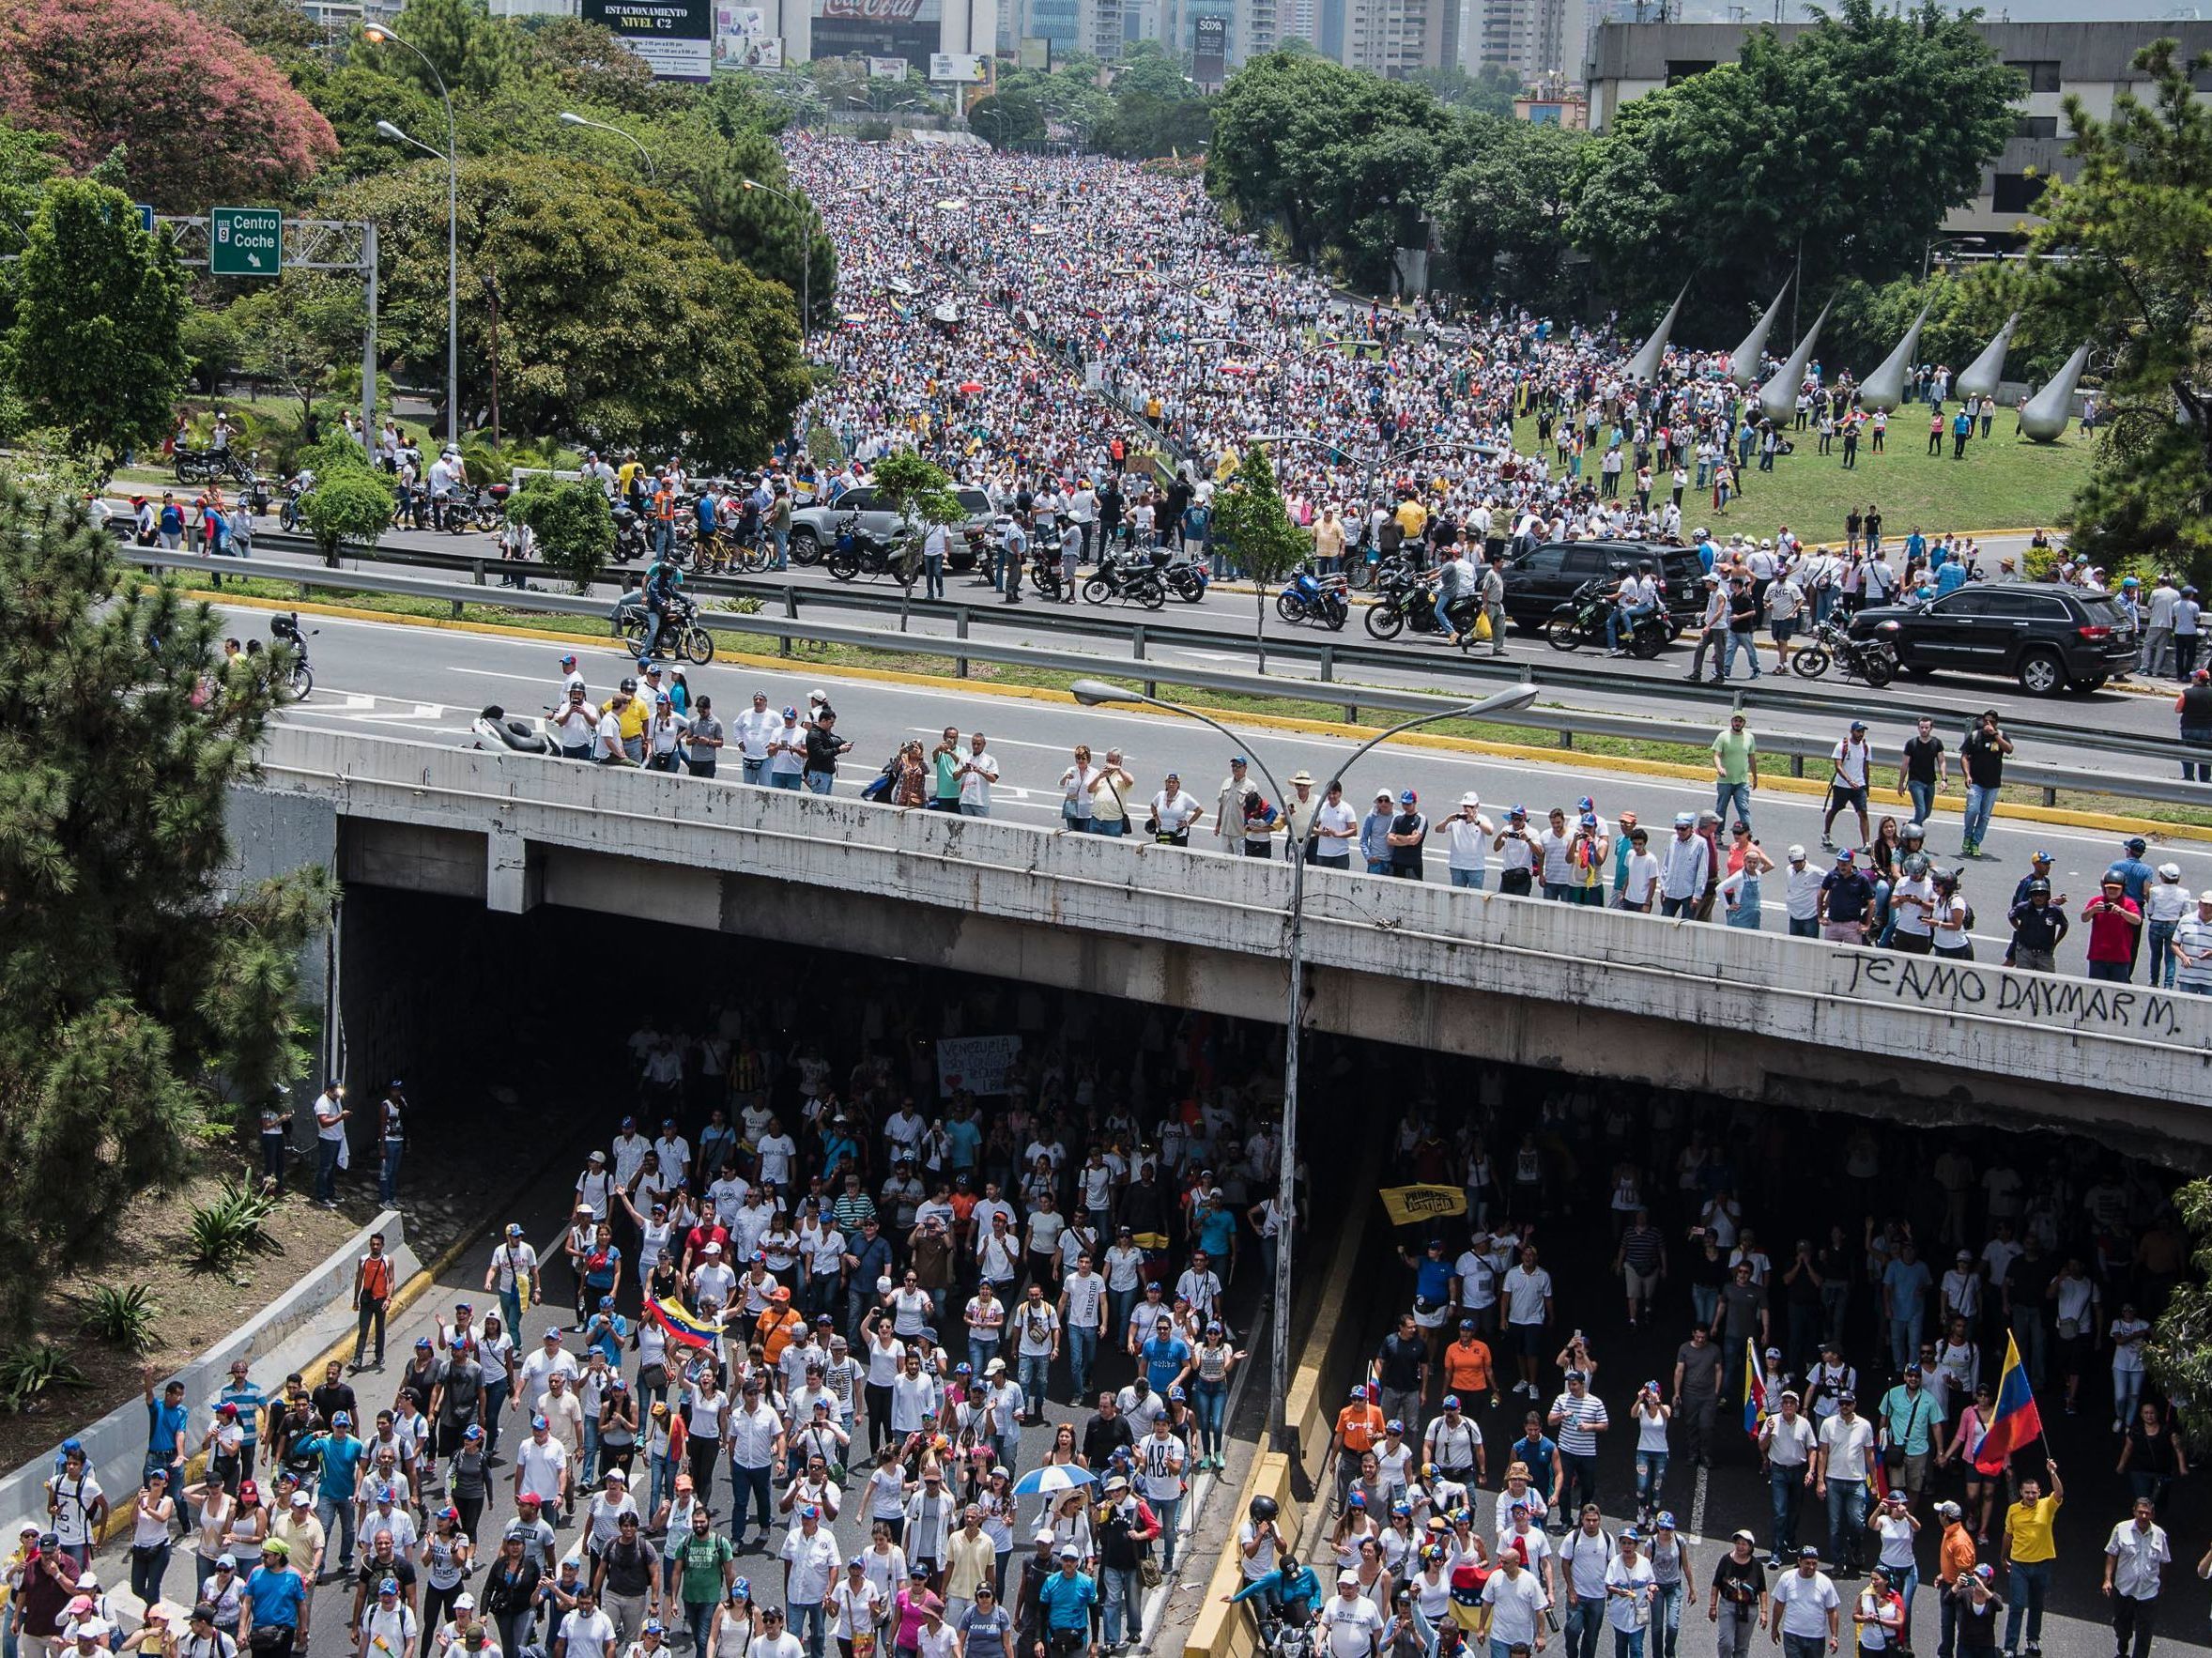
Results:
<point x="1735" y="754"/>
<point x="704" y="1560"/>
<point x="947" y="763"/>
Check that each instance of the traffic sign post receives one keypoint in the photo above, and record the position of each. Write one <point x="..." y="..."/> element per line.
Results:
<point x="245" y="241"/>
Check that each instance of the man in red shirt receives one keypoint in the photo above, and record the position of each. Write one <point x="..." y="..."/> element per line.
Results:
<point x="50" y="1581"/>
<point x="2112" y="917"/>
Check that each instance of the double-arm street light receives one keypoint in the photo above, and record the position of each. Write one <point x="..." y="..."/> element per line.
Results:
<point x="570" y="118"/>
<point x="805" y="249"/>
<point x="1095" y="693"/>
<point x="450" y="156"/>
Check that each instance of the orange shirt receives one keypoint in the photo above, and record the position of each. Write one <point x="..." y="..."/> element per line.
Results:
<point x="778" y="1330"/>
<point x="1359" y="1427"/>
<point x="1467" y="1366"/>
<point x="1956" y="1558"/>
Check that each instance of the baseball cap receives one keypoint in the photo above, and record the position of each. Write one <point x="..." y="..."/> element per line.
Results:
<point x="1408" y="798"/>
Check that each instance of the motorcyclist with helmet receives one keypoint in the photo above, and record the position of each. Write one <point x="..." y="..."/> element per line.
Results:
<point x="664" y="582"/>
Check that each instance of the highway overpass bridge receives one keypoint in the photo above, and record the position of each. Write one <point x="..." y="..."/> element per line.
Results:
<point x="1746" y="1014"/>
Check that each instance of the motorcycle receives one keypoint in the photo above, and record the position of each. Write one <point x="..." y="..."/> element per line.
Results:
<point x="856" y="555"/>
<point x="1186" y="576"/>
<point x="502" y="732"/>
<point x="298" y="679"/>
<point x="679" y="632"/>
<point x="205" y="465"/>
<point x="462" y="511"/>
<point x="288" y="514"/>
<point x="1581" y="621"/>
<point x="1405" y="601"/>
<point x="1874" y="660"/>
<point x="1320" y="600"/>
<point x="1044" y="574"/>
<point x="630" y="540"/>
<point x="1131" y="578"/>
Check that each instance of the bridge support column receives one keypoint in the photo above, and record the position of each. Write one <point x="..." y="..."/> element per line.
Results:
<point x="513" y="884"/>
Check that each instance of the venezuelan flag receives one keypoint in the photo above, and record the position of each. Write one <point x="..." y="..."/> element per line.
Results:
<point x="684" y="1329"/>
<point x="1755" y="1390"/>
<point x="2016" y="1423"/>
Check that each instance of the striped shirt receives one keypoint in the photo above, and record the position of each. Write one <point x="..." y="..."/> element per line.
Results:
<point x="1580" y="1419"/>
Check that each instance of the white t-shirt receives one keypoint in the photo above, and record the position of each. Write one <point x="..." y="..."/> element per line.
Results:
<point x="1515" y="1603"/>
<point x="1851" y="765"/>
<point x="589" y="1635"/>
<point x="1621" y="1610"/>
<point x="1805" y="1603"/>
<point x="1526" y="1293"/>
<point x="977" y="780"/>
<point x="1349" y="1628"/>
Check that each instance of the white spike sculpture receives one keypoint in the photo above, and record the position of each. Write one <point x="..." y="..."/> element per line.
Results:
<point x="1777" y="398"/>
<point x="1644" y="365"/>
<point x="1885" y="389"/>
<point x="1979" y="378"/>
<point x="2044" y="416"/>
<point x="1743" y="361"/>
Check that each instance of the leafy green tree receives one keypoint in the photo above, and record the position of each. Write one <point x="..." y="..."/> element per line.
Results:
<point x="2133" y="227"/>
<point x="1848" y="144"/>
<point x="1964" y="312"/>
<point x="473" y="51"/>
<point x="678" y="349"/>
<point x="572" y="523"/>
<point x="1249" y="515"/>
<point x="355" y="96"/>
<point x="1509" y="197"/>
<point x="211" y="345"/>
<point x="1141" y="126"/>
<point x="1148" y="71"/>
<point x="95" y="345"/>
<point x="1338" y="156"/>
<point x="1489" y="91"/>
<point x="2179" y="1351"/>
<point x="351" y="500"/>
<point x="1010" y="119"/>
<point x="302" y="332"/>
<point x="140" y="997"/>
<point x="591" y="64"/>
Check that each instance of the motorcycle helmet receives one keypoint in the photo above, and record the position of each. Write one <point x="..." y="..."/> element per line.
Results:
<point x="1916" y="866"/>
<point x="1913" y="832"/>
<point x="1262" y="1509"/>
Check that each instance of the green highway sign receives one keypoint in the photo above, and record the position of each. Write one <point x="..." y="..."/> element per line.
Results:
<point x="245" y="241"/>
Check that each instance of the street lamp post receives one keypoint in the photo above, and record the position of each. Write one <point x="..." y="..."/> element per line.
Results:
<point x="377" y="32"/>
<point x="1093" y="693"/>
<point x="570" y="118"/>
<point x="806" y="249"/>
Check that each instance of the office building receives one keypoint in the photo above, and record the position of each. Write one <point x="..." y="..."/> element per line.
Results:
<point x="1534" y="38"/>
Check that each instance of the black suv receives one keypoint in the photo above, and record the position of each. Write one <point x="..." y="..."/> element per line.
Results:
<point x="1540" y="581"/>
<point x="2048" y="637"/>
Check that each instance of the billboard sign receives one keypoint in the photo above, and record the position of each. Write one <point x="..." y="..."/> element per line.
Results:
<point x="870" y="11"/>
<point x="886" y="69"/>
<point x="966" y="68"/>
<point x="742" y="40"/>
<point x="1035" y="53"/>
<point x="1209" y="49"/>
<point x="675" y="37"/>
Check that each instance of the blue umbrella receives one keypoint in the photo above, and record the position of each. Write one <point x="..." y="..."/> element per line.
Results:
<point x="1060" y="1477"/>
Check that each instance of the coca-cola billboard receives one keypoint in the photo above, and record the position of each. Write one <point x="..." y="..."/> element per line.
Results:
<point x="872" y="12"/>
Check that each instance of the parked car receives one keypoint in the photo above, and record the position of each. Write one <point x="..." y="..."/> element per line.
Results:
<point x="2048" y="637"/>
<point x="818" y="524"/>
<point x="1540" y="581"/>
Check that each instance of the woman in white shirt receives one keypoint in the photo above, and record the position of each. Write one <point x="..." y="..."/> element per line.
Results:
<point x="2127" y="1332"/>
<point x="1649" y="1415"/>
<point x="1628" y="1597"/>
<point x="1174" y="813"/>
<point x="1075" y="790"/>
<point x="1950" y="918"/>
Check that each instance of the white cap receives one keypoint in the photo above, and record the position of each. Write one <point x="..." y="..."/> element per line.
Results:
<point x="1797" y="854"/>
<point x="1470" y="798"/>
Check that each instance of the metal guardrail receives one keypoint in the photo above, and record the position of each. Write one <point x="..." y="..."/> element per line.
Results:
<point x="1565" y="724"/>
<point x="1328" y="654"/>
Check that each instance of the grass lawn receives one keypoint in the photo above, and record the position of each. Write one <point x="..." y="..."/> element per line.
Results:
<point x="2004" y="484"/>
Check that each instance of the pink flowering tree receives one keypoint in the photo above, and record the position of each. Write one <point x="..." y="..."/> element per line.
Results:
<point x="205" y="119"/>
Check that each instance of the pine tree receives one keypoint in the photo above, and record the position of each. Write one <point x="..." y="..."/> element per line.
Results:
<point x="141" y="999"/>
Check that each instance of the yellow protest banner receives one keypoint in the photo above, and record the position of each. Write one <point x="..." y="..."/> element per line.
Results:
<point x="1408" y="1205"/>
